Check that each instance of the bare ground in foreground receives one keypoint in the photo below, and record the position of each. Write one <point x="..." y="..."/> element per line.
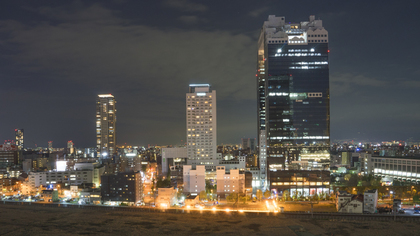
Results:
<point x="37" y="220"/>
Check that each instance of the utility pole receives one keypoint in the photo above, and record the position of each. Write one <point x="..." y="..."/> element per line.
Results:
<point x="312" y="209"/>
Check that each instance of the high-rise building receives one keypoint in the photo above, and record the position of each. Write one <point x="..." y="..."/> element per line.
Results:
<point x="105" y="125"/>
<point x="50" y="145"/>
<point x="248" y="143"/>
<point x="201" y="126"/>
<point x="19" y="139"/>
<point x="293" y="105"/>
<point x="70" y="147"/>
<point x="8" y="156"/>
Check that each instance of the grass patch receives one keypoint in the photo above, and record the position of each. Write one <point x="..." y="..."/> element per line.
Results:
<point x="144" y="224"/>
<point x="255" y="227"/>
<point x="230" y="222"/>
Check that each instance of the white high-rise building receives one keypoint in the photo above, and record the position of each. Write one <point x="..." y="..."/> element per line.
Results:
<point x="105" y="125"/>
<point x="201" y="126"/>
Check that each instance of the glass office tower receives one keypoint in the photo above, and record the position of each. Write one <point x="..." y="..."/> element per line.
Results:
<point x="293" y="106"/>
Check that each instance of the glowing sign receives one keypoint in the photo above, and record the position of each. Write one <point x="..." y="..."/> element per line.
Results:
<point x="61" y="165"/>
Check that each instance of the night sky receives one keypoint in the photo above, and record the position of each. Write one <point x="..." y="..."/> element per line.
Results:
<point x="56" y="56"/>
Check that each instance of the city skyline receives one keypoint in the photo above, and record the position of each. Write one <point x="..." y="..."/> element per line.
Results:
<point x="57" y="57"/>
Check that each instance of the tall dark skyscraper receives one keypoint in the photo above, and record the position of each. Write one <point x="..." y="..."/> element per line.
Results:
<point x="293" y="106"/>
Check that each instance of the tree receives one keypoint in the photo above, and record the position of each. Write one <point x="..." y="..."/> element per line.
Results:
<point x="347" y="177"/>
<point x="353" y="181"/>
<point x="286" y="195"/>
<point x="299" y="196"/>
<point x="375" y="181"/>
<point x="416" y="199"/>
<point x="203" y="195"/>
<point x="242" y="198"/>
<point x="209" y="186"/>
<point x="233" y="197"/>
<point x="259" y="194"/>
<point x="295" y="195"/>
<point x="163" y="183"/>
<point x="267" y="193"/>
<point x="315" y="197"/>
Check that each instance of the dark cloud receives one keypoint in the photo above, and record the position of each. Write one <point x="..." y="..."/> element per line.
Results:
<point x="114" y="57"/>
<point x="56" y="57"/>
<point x="258" y="12"/>
<point x="192" y="20"/>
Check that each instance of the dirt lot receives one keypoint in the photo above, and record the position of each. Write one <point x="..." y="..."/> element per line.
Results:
<point x="38" y="220"/>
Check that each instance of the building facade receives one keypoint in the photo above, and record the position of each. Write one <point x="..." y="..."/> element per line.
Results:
<point x="19" y="139"/>
<point x="201" y="126"/>
<point x="106" y="119"/>
<point x="125" y="187"/>
<point x="370" y="201"/>
<point x="194" y="179"/>
<point x="230" y="182"/>
<point x="68" y="178"/>
<point x="249" y="143"/>
<point x="293" y="98"/>
<point x="8" y="156"/>
<point x="349" y="203"/>
<point x="405" y="169"/>
<point x="167" y="197"/>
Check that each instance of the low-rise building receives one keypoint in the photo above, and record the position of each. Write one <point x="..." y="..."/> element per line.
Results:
<point x="68" y="178"/>
<point x="166" y="197"/>
<point x="9" y="184"/>
<point x="229" y="182"/>
<point x="90" y="196"/>
<point x="191" y="200"/>
<point x="194" y="179"/>
<point x="8" y="156"/>
<point x="50" y="195"/>
<point x="349" y="203"/>
<point x="370" y="201"/>
<point x="125" y="187"/>
<point x="405" y="169"/>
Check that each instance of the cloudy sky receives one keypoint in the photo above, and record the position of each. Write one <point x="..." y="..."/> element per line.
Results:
<point x="56" y="56"/>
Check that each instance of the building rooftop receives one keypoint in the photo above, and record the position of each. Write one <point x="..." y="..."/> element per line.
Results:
<point x="105" y="95"/>
<point x="358" y="197"/>
<point x="395" y="157"/>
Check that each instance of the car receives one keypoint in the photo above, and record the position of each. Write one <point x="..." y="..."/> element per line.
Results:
<point x="416" y="211"/>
